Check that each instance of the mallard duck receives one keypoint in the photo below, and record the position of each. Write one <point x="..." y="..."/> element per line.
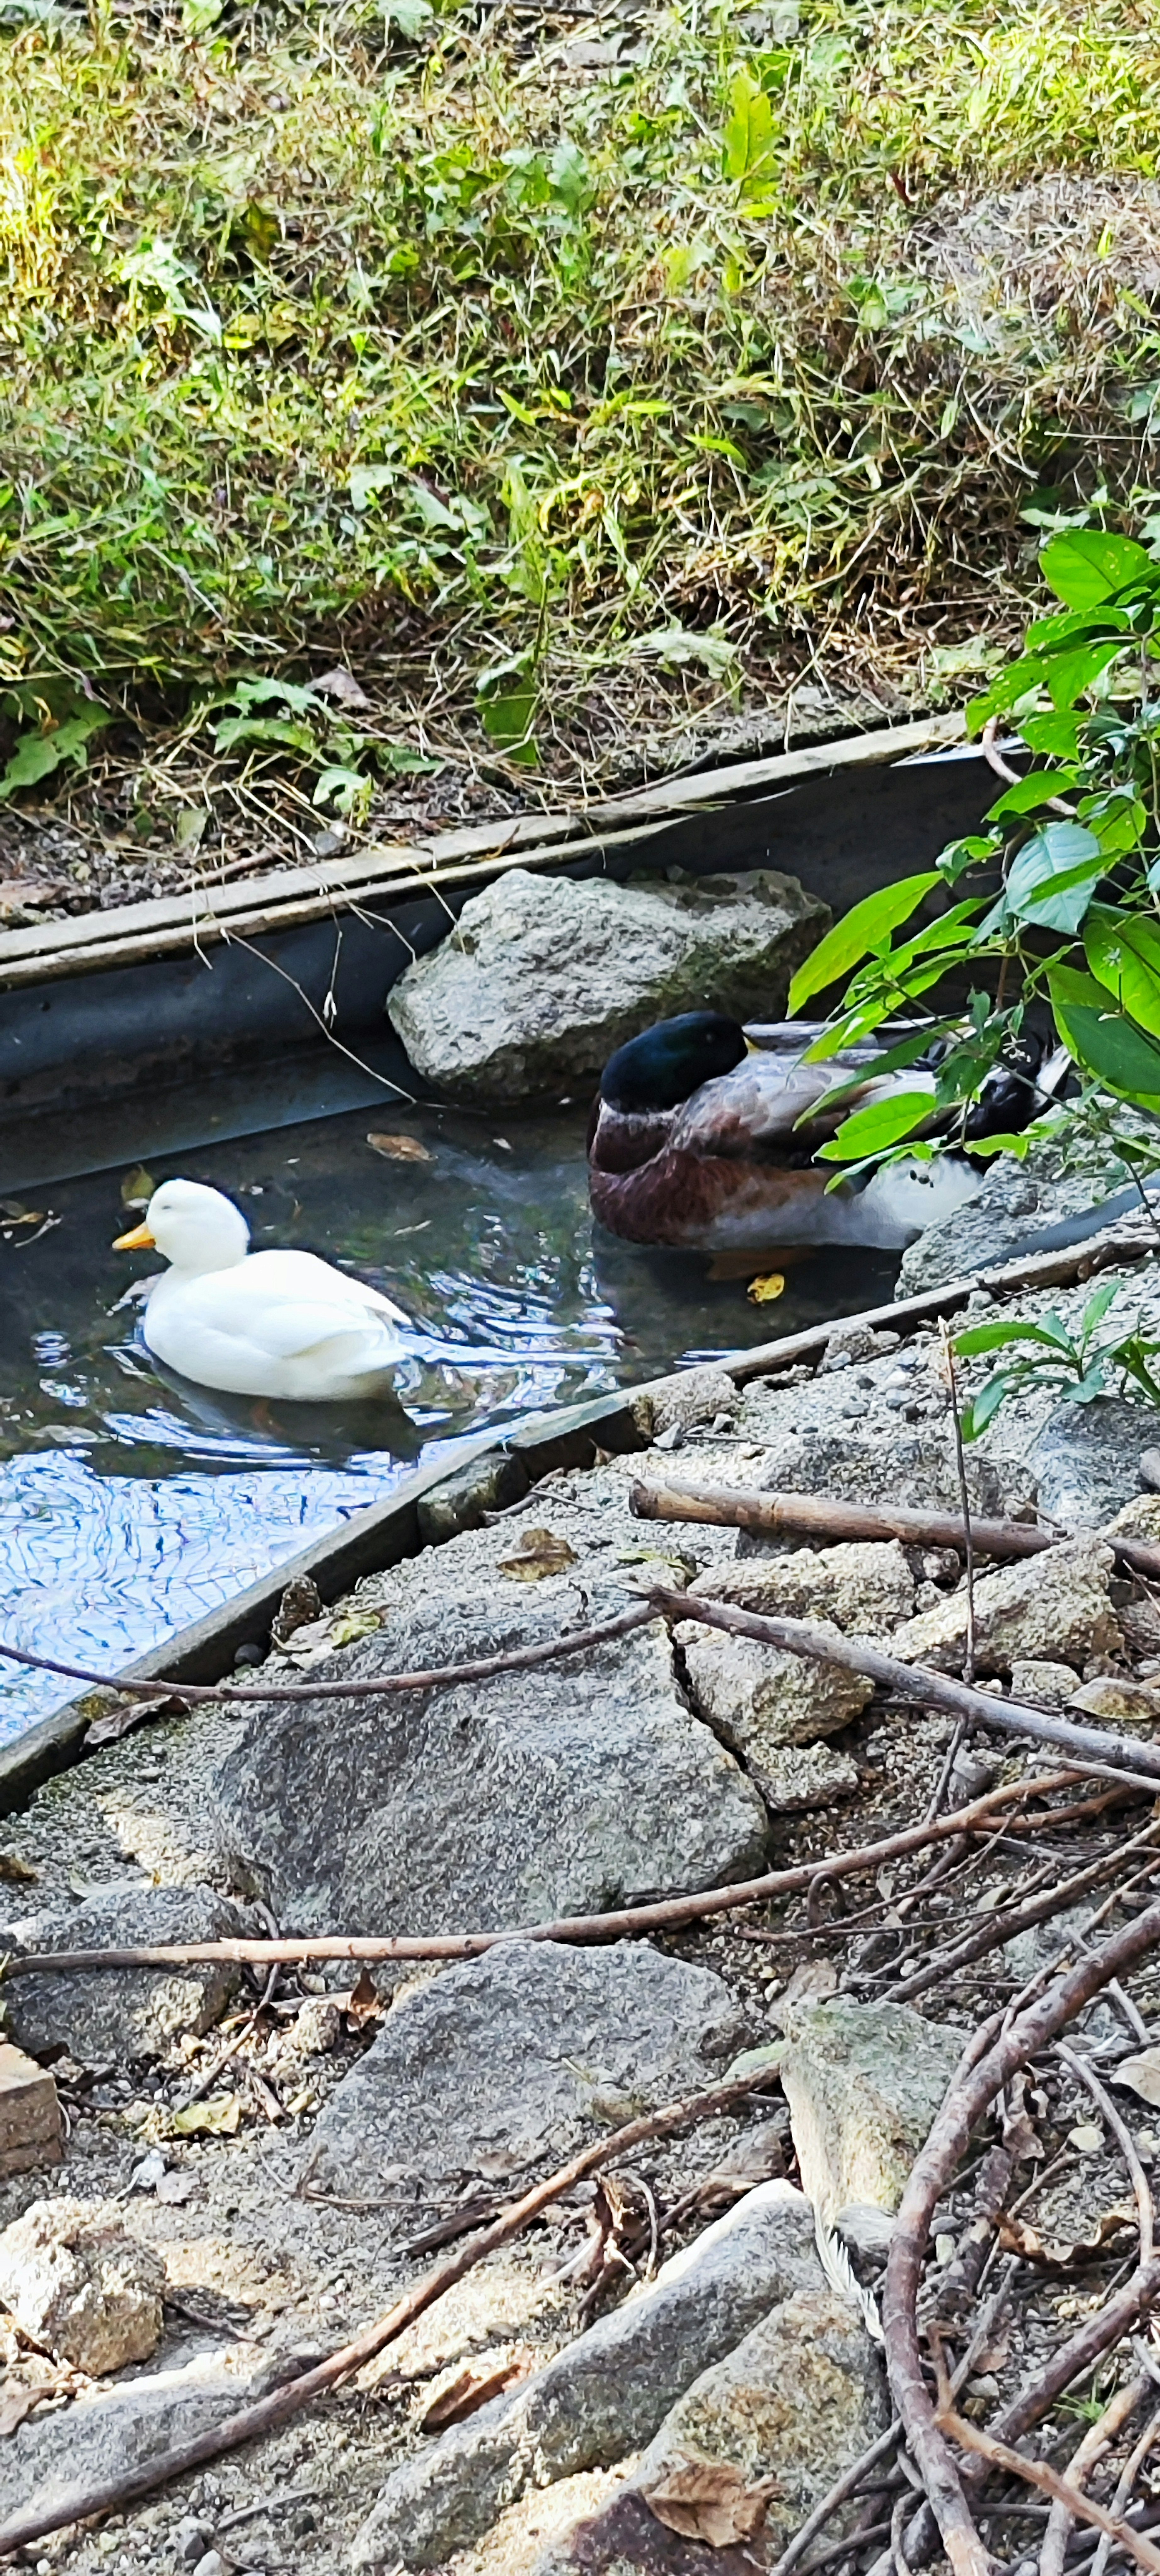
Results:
<point x="257" y="1323"/>
<point x="694" y="1140"/>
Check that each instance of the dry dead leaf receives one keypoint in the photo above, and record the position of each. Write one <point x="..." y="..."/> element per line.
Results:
<point x="708" y="2500"/>
<point x="1141" y="2074"/>
<point x="541" y="1554"/>
<point x="470" y="2389"/>
<point x="215" y="2119"/>
<point x="1056" y="2254"/>
<point x="343" y="687"/>
<point x="125" y="1714"/>
<point x="762" y="1292"/>
<point x="362" y="2003"/>
<point x="398" y="1149"/>
<point x="17" y="1871"/>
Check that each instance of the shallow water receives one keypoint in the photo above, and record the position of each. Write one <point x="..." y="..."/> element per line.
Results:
<point x="131" y="1502"/>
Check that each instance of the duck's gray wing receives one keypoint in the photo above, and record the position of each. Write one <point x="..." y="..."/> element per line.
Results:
<point x="753" y="1113"/>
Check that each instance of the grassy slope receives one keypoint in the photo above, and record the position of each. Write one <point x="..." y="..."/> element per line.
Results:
<point x="432" y="349"/>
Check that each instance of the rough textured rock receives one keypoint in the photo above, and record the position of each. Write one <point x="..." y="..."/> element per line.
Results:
<point x="688" y="1396"/>
<point x="761" y="1698"/>
<point x="1044" y="1685"/>
<point x="510" y="2058"/>
<point x="565" y="1789"/>
<point x="866" y="1588"/>
<point x="81" y="2288"/>
<point x="140" y="2012"/>
<point x="606" y="2393"/>
<point x="1049" y="1608"/>
<point x="107" y="2436"/>
<point x="792" y="1777"/>
<point x="544" y="977"/>
<point x="853" y="1341"/>
<point x="863" y="2083"/>
<point x="1017" y="1201"/>
<point x="1088" y="1460"/>
<point x="788" y="2410"/>
<point x="1138" y="1519"/>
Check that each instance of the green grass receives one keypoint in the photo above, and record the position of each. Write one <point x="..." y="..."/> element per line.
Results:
<point x="333" y="338"/>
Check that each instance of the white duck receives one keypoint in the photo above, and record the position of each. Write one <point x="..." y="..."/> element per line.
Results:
<point x="257" y="1323"/>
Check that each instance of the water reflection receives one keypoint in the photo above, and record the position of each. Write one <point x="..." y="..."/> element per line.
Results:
<point x="132" y="1502"/>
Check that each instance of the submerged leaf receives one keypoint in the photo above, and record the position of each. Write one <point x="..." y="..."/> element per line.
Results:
<point x="762" y="1292"/>
<point x="398" y="1149"/>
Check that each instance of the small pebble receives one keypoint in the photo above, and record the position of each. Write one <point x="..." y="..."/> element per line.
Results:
<point x="190" y="2540"/>
<point x="1087" y="2139"/>
<point x="673" y="1438"/>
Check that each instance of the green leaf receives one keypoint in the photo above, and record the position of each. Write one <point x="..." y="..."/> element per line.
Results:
<point x="37" y="754"/>
<point x="1084" y="566"/>
<point x="1056" y="737"/>
<point x="1104" y="1040"/>
<point x="883" y="1122"/>
<point x="1117" y="818"/>
<point x="1097" y="1307"/>
<point x="895" y="1059"/>
<point x="748" y="137"/>
<point x="867" y="926"/>
<point x="1123" y="951"/>
<point x="996" y="1337"/>
<point x="1050" y="882"/>
<point x="984" y="1406"/>
<point x="1028" y="793"/>
<point x="507" y="710"/>
<point x="1070" y="675"/>
<point x="238" y="730"/>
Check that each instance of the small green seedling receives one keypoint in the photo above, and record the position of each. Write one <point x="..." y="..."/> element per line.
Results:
<point x="1079" y="1366"/>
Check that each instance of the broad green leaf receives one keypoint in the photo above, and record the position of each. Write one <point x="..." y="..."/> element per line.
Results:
<point x="1084" y="566"/>
<point x="1028" y="793"/>
<point x="507" y="709"/>
<point x="748" y="137"/>
<point x="1056" y="737"/>
<point x="884" y="1122"/>
<point x="1014" y="683"/>
<point x="237" y="730"/>
<point x="1117" y="818"/>
<point x="1070" y="675"/>
<point x="1123" y="951"/>
<point x="958" y="856"/>
<point x="867" y="926"/>
<point x="1074" y="627"/>
<point x="1050" y="882"/>
<point x="895" y="1059"/>
<point x="996" y="1337"/>
<point x="1097" y="1307"/>
<point x="37" y="754"/>
<point x="1104" y="1040"/>
<point x="985" y="1405"/>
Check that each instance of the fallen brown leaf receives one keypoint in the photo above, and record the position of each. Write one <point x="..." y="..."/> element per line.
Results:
<point x="709" y="2500"/>
<point x="125" y="1715"/>
<point x="362" y="2003"/>
<point x="17" y="1871"/>
<point x="398" y="1149"/>
<point x="541" y="1554"/>
<point x="1141" y="2074"/>
<point x="1057" y="2254"/>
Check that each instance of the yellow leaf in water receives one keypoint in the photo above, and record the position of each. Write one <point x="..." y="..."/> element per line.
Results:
<point x="398" y="1149"/>
<point x="761" y="1292"/>
<point x="217" y="2118"/>
<point x="137" y="1187"/>
<point x="542" y="1554"/>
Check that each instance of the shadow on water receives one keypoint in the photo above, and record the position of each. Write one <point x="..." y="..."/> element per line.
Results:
<point x="132" y="1502"/>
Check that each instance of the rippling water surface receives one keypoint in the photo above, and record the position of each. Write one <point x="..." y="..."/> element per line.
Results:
<point x="131" y="1502"/>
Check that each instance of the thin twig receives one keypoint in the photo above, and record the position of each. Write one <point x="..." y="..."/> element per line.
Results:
<point x="1124" y="2485"/>
<point x="964" y="1498"/>
<point x="1085" y="2074"/>
<point x="1098" y="2438"/>
<point x="970" y="2437"/>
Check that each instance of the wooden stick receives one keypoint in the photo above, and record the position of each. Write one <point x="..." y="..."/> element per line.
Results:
<point x="267" y="2413"/>
<point x="827" y="1517"/>
<point x="972" y="2089"/>
<point x="1036" y="2473"/>
<point x="915" y="1682"/>
<point x="1085" y="2457"/>
<point x="664" y="1914"/>
<point x="518" y="1659"/>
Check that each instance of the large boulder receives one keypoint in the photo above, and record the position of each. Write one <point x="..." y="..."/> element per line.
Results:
<point x="79" y="2288"/>
<point x="542" y="977"/>
<point x="511" y="2057"/>
<point x="565" y="1789"/>
<point x="746" y="2453"/>
<point x="1055" y="1608"/>
<point x="605" y="2394"/>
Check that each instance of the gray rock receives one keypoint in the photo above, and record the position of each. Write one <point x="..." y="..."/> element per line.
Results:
<point x="1088" y="1460"/>
<point x="863" y="2083"/>
<point x="566" y="1789"/>
<point x="190" y="2540"/>
<point x="1046" y="1684"/>
<point x="139" y="2012"/>
<point x="79" y="2287"/>
<point x="510" y="2058"/>
<point x="676" y="1403"/>
<point x="483" y="1485"/>
<point x="1017" y="1201"/>
<point x="543" y="977"/>
<point x="607" y="2392"/>
<point x="787" y="2411"/>
<point x="795" y="1777"/>
<point x="761" y="1697"/>
<point x="865" y="1587"/>
<point x="1050" y="1608"/>
<point x="104" y="2438"/>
